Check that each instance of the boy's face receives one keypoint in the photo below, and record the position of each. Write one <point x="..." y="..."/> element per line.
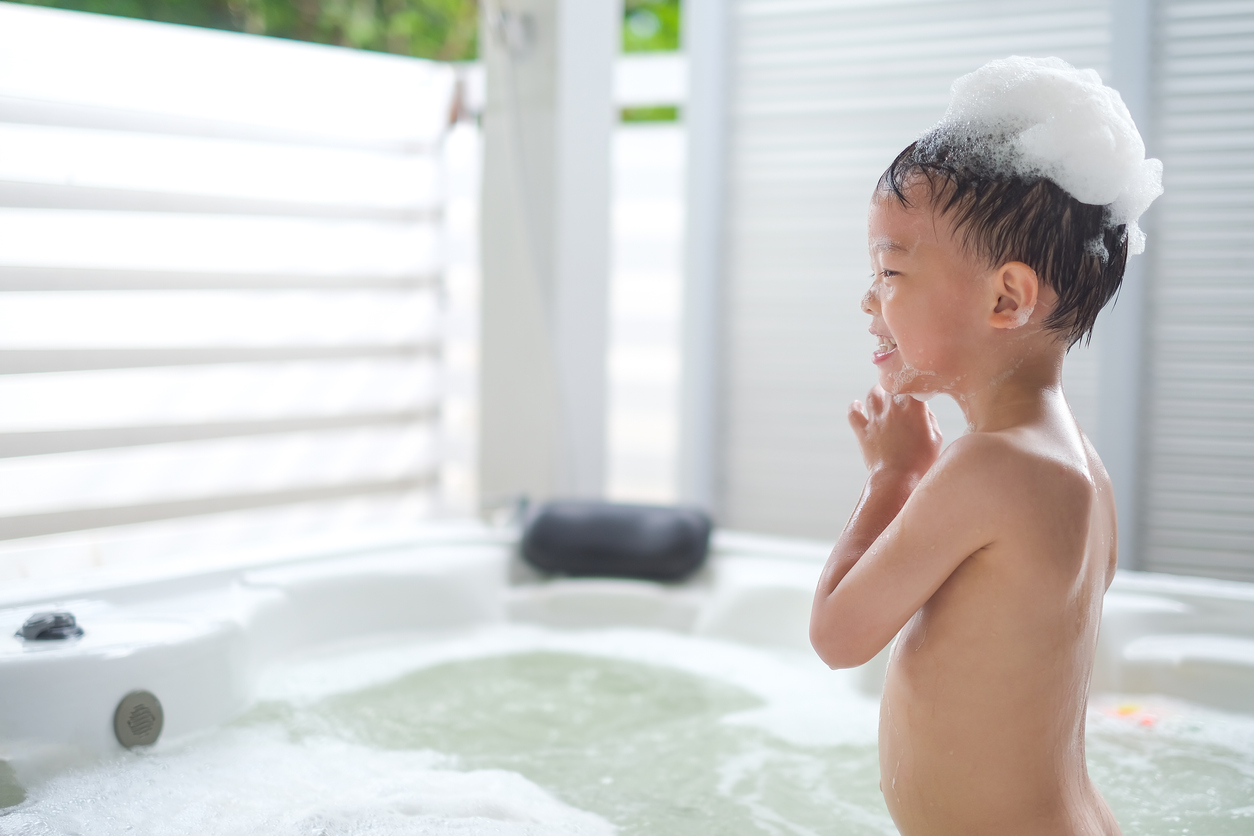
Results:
<point x="926" y="303"/>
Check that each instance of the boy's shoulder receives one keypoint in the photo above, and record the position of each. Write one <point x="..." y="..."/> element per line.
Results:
<point x="1013" y="466"/>
<point x="997" y="493"/>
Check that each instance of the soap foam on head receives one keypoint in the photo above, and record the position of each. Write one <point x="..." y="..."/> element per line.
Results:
<point x="1041" y="117"/>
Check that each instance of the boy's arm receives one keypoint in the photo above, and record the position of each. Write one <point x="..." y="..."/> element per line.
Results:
<point x="916" y="522"/>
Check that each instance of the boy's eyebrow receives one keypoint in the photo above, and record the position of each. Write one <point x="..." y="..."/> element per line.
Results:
<point x="886" y="244"/>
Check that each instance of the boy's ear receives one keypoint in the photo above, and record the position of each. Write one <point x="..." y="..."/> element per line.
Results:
<point x="1016" y="289"/>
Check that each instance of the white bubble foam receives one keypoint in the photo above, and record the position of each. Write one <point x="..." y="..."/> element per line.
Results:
<point x="907" y="374"/>
<point x="1021" y="316"/>
<point x="1046" y="118"/>
<point x="257" y="782"/>
<point x="263" y="779"/>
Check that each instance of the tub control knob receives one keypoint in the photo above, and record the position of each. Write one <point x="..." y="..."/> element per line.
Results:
<point x="138" y="719"/>
<point x="49" y="626"/>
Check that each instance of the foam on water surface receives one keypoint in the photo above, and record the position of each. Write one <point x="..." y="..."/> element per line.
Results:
<point x="257" y="780"/>
<point x="521" y="730"/>
<point x="627" y="731"/>
<point x="1041" y="117"/>
<point x="1171" y="767"/>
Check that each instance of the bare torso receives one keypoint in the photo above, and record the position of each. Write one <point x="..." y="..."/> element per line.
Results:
<point x="982" y="723"/>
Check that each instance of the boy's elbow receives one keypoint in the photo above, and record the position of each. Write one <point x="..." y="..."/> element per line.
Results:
<point x="839" y="658"/>
<point x="839" y="649"/>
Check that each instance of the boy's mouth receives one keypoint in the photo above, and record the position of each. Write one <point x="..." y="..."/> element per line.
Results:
<point x="885" y="347"/>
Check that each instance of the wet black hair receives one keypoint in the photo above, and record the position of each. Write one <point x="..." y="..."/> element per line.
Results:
<point x="1073" y="247"/>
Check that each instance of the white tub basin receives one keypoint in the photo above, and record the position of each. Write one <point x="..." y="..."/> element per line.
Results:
<point x="330" y="627"/>
<point x="199" y="640"/>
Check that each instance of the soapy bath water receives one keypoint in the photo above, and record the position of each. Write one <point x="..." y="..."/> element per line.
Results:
<point x="632" y="732"/>
<point x="644" y="747"/>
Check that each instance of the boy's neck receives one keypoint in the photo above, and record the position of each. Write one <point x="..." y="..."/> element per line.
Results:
<point x="1016" y="393"/>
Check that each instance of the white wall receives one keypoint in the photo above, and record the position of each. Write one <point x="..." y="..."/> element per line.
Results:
<point x="545" y="254"/>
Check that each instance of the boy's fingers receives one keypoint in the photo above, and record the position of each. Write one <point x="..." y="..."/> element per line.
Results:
<point x="857" y="417"/>
<point x="875" y="400"/>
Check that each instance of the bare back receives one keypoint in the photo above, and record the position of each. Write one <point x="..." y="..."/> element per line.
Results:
<point x="982" y="723"/>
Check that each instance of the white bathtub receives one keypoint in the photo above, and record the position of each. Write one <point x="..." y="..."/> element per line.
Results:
<point x="200" y="640"/>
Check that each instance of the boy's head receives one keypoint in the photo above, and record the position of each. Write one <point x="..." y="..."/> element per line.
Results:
<point x="1075" y="248"/>
<point x="1037" y="163"/>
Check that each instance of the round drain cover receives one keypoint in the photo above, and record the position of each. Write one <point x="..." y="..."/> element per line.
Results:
<point x="138" y="720"/>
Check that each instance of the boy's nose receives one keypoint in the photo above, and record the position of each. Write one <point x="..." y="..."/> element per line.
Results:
<point x="869" y="298"/>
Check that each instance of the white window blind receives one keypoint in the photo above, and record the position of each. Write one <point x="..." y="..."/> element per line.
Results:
<point x="824" y="94"/>
<point x="1200" y="452"/>
<point x="223" y="282"/>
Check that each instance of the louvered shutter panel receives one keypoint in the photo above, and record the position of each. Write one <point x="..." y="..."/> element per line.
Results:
<point x="823" y="96"/>
<point x="221" y="260"/>
<point x="1200" y="443"/>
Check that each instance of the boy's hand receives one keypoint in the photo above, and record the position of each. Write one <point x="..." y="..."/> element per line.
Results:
<point x="897" y="433"/>
<point x="886" y="563"/>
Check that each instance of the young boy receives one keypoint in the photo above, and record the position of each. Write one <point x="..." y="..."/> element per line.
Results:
<point x="988" y="561"/>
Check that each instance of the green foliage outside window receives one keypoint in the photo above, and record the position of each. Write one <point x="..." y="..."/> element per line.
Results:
<point x="654" y="113"/>
<point x="445" y="30"/>
<point x="650" y="25"/>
